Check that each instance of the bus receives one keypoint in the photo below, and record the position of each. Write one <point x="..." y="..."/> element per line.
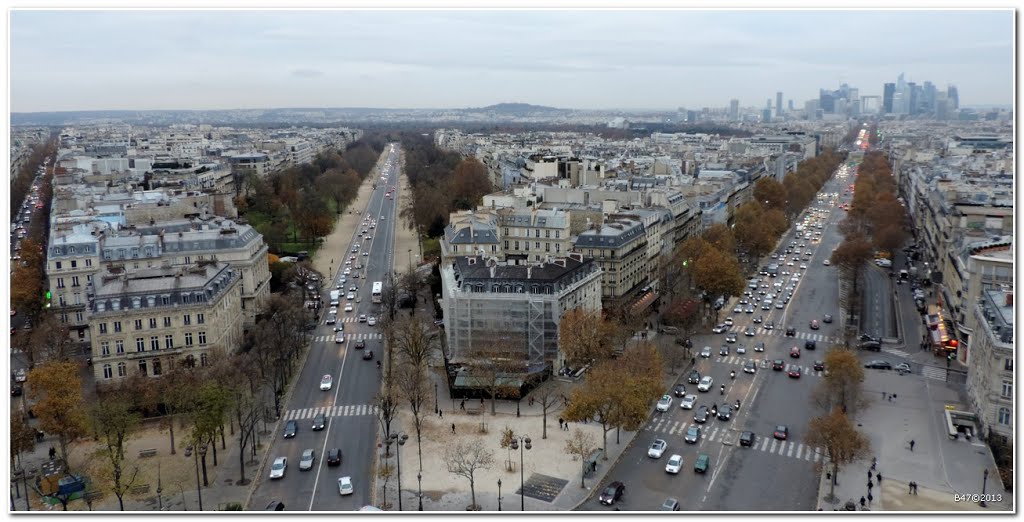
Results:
<point x="378" y="288"/>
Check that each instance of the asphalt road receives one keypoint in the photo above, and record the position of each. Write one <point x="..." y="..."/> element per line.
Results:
<point x="351" y="424"/>
<point x="769" y="475"/>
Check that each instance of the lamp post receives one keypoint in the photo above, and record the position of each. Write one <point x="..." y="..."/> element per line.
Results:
<point x="400" y="439"/>
<point x="159" y="488"/>
<point x="199" y="490"/>
<point x="522" y="444"/>
<point x="410" y="259"/>
<point x="202" y="458"/>
<point x="499" y="494"/>
<point x="435" y="398"/>
<point x="419" y="489"/>
<point x="984" y="482"/>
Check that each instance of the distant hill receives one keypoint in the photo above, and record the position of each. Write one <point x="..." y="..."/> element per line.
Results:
<point x="517" y="108"/>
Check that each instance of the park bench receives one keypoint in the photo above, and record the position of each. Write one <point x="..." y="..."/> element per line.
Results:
<point x="147" y="453"/>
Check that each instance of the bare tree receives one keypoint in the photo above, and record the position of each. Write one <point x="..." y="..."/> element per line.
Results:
<point x="548" y="394"/>
<point x="581" y="444"/>
<point x="465" y="459"/>
<point x="385" y="405"/>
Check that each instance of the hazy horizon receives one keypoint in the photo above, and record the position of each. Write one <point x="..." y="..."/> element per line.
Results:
<point x="443" y="59"/>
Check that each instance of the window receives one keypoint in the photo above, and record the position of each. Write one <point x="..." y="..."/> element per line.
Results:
<point x="74" y="264"/>
<point x="1008" y="364"/>
<point x="108" y="372"/>
<point x="104" y="348"/>
<point x="103" y="328"/>
<point x="558" y="234"/>
<point x="547" y="234"/>
<point x="157" y="368"/>
<point x="88" y="263"/>
<point x="536" y="244"/>
<point x="202" y="359"/>
<point x="79" y="317"/>
<point x="188" y="338"/>
<point x="154" y="342"/>
<point x="517" y="248"/>
<point x="143" y="367"/>
<point x="167" y="322"/>
<point x="200" y="319"/>
<point x="117" y="326"/>
<point x="57" y="265"/>
<point x="138" y="324"/>
<point x="60" y="282"/>
<point x="74" y="281"/>
<point x="1007" y="389"/>
<point x="536" y="232"/>
<point x="186" y="319"/>
<point x="1005" y="416"/>
<point x="119" y="346"/>
<point x="152" y="322"/>
<point x="140" y="344"/>
<point x="202" y="338"/>
<point x="506" y="244"/>
<point x="122" y="369"/>
<point x="168" y="341"/>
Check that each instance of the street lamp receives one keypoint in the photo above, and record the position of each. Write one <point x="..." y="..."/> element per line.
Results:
<point x="199" y="490"/>
<point x="984" y="483"/>
<point x="526" y="444"/>
<point x="499" y="494"/>
<point x="419" y="489"/>
<point x="435" y="398"/>
<point x="400" y="439"/>
<point x="410" y="259"/>
<point x="159" y="488"/>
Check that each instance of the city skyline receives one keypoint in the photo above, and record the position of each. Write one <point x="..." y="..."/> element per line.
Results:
<point x="166" y="60"/>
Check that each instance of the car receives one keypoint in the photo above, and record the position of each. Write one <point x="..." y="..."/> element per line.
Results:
<point x="728" y="321"/>
<point x="665" y="403"/>
<point x="747" y="438"/>
<point x="371" y="321"/>
<point x="274" y="505"/>
<point x="749" y="332"/>
<point x="360" y="344"/>
<point x="790" y="332"/>
<point x="866" y="338"/>
<point x="692" y="435"/>
<point x="737" y="309"/>
<point x="769" y="325"/>
<point x="362" y="318"/>
<point x="365" y="254"/>
<point x="657" y="449"/>
<point x="781" y="432"/>
<point x="688" y="402"/>
<point x="879" y="365"/>
<point x="345" y="486"/>
<point x="670" y="504"/>
<point x="307" y="460"/>
<point x="724" y="350"/>
<point x="814" y="324"/>
<point x="826" y="262"/>
<point x="17" y="390"/>
<point x="706" y="382"/>
<point x="20" y="375"/>
<point x="679" y="390"/>
<point x="749" y="309"/>
<point x="902" y="368"/>
<point x="334" y="457"/>
<point x="351" y="296"/>
<point x="702" y="463"/>
<point x="767" y="305"/>
<point x="794" y="372"/>
<point x="278" y="468"/>
<point x="803" y="266"/>
<point x="724" y="413"/>
<point x="675" y="463"/>
<point x="290" y="429"/>
<point x="750" y="366"/>
<point x="827" y="318"/>
<point x="873" y="346"/>
<point x="701" y="415"/>
<point x="332" y="310"/>
<point x="719" y="328"/>
<point x="612" y="493"/>
<point x="348" y="307"/>
<point x="819" y="366"/>
<point x="740" y="349"/>
<point x="779" y="305"/>
<point x="759" y="319"/>
<point x="694" y="376"/>
<point x="706" y="352"/>
<point x="368" y="355"/>
<point x="319" y="421"/>
<point x="794" y="352"/>
<point x="730" y="337"/>
<point x="339" y="337"/>
<point x="759" y="346"/>
<point x="778" y="365"/>
<point x="810" y="345"/>
<point x="326" y="382"/>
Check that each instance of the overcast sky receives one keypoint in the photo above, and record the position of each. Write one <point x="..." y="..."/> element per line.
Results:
<point x="85" y="60"/>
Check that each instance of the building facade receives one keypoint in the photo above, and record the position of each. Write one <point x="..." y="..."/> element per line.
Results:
<point x="990" y="379"/>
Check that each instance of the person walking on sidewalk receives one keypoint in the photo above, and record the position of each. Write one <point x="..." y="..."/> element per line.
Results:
<point x="879" y="477"/>
<point x="863" y="502"/>
<point x="870" y="498"/>
<point x="912" y="444"/>
<point x="453" y="428"/>
<point x="440" y="413"/>
<point x="561" y="421"/>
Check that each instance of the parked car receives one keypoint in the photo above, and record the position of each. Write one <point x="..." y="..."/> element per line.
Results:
<point x="879" y="365"/>
<point x="612" y="493"/>
<point x="873" y="346"/>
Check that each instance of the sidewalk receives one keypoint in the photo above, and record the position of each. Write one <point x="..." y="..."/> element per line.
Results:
<point x="406" y="245"/>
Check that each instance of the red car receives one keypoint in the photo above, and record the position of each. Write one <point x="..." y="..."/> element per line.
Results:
<point x="781" y="432"/>
<point x="794" y="372"/>
<point x="794" y="352"/>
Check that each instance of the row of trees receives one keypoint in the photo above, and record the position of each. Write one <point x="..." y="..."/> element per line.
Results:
<point x="21" y="185"/>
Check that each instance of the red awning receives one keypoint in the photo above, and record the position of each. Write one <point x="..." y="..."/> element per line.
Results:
<point x="643" y="303"/>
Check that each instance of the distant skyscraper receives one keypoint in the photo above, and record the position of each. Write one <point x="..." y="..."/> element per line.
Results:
<point x="734" y="109"/>
<point x="778" y="102"/>
<point x="887" y="93"/>
<point x="928" y="97"/>
<point x="900" y="83"/>
<point x="913" y="92"/>
<point x="826" y="101"/>
<point x="791" y="109"/>
<point x="954" y="97"/>
<point x="766" y="115"/>
<point x="768" y="104"/>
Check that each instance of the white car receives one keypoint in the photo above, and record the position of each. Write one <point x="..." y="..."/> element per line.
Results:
<point x="326" y="382"/>
<point x="706" y="352"/>
<point x="688" y="402"/>
<point x="705" y="384"/>
<point x="728" y="321"/>
<point x="347" y="271"/>
<point x="345" y="486"/>
<point x="675" y="463"/>
<point x="362" y="318"/>
<point x="339" y="338"/>
<point x="350" y="296"/>
<point x="657" y="449"/>
<point x="719" y="328"/>
<point x="333" y="311"/>
<point x="803" y="266"/>
<point x="307" y="460"/>
<point x="348" y="307"/>
<point x="278" y="467"/>
<point x="826" y="262"/>
<point x="371" y="321"/>
<point x="665" y="403"/>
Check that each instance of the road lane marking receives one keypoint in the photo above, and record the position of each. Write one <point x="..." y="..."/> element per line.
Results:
<point x="791" y="447"/>
<point x="773" y="446"/>
<point x="764" y="444"/>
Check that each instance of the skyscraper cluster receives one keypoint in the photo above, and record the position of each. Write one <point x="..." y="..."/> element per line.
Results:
<point x="911" y="99"/>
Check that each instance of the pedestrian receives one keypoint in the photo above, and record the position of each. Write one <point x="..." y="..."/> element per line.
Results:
<point x="462" y="405"/>
<point x="870" y="485"/>
<point x="869" y="475"/>
<point x="910" y="488"/>
<point x="593" y="466"/>
<point x="915" y="487"/>
<point x="566" y="425"/>
<point x="912" y="444"/>
<point x="53" y="452"/>
<point x="440" y="413"/>
<point x="863" y="501"/>
<point x="870" y="498"/>
<point x="894" y="396"/>
<point x="874" y="462"/>
<point x="453" y="428"/>
<point x="879" y="477"/>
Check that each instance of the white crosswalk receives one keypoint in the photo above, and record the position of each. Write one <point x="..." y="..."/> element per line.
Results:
<point x="807" y="336"/>
<point x="348" y="336"/>
<point x="350" y="410"/>
<point x="934" y="372"/>
<point x="712" y="432"/>
<point x="345" y="319"/>
<point x="738" y="360"/>
<point x="897" y="353"/>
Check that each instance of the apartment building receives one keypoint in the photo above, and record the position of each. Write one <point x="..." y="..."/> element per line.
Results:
<point x="533" y="234"/>
<point x="619" y="247"/>
<point x="514" y="306"/>
<point x="147" y="320"/>
<point x="990" y="379"/>
<point x="470" y="233"/>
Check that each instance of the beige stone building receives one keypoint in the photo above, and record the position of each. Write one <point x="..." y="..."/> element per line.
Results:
<point x="144" y="321"/>
<point x="620" y="249"/>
